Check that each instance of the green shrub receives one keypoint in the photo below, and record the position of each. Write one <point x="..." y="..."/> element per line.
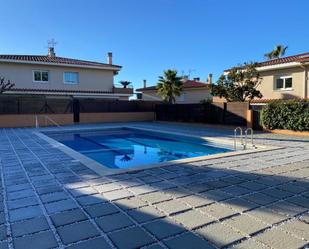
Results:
<point x="287" y="115"/>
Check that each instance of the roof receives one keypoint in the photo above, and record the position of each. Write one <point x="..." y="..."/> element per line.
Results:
<point x="301" y="58"/>
<point x="56" y="91"/>
<point x="41" y="59"/>
<point x="186" y="84"/>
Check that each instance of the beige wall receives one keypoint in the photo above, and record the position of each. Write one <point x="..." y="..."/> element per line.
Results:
<point x="189" y="96"/>
<point x="267" y="86"/>
<point x="28" y="120"/>
<point x="89" y="79"/>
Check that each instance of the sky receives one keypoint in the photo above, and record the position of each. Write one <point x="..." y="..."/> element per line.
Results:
<point x="195" y="37"/>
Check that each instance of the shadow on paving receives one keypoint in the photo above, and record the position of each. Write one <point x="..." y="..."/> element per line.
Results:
<point x="53" y="201"/>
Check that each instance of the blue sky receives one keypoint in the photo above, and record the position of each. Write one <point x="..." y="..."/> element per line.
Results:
<point x="149" y="36"/>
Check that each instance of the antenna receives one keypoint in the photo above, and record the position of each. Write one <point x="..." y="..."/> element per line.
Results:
<point x="52" y="43"/>
<point x="189" y="72"/>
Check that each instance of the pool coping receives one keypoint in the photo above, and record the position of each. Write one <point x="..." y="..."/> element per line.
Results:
<point x="103" y="170"/>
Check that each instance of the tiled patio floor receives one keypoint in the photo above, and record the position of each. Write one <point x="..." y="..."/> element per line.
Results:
<point x="258" y="200"/>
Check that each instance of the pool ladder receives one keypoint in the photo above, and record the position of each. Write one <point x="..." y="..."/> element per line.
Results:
<point x="243" y="142"/>
<point x="46" y="118"/>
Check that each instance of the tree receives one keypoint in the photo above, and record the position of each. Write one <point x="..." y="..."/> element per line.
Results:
<point x="169" y="86"/>
<point x="5" y="85"/>
<point x="124" y="83"/>
<point x="278" y="52"/>
<point x="239" y="84"/>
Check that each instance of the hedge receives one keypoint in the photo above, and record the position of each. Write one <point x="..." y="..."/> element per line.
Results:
<point x="287" y="115"/>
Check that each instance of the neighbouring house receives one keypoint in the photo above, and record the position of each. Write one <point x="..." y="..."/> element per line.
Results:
<point x="194" y="91"/>
<point x="283" y="78"/>
<point x="53" y="75"/>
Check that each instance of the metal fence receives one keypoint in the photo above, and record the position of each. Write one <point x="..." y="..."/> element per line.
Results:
<point x="211" y="113"/>
<point x="11" y="104"/>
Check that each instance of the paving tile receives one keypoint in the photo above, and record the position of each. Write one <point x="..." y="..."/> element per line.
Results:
<point x="4" y="245"/>
<point x="52" y="197"/>
<point x="144" y="214"/>
<point x="131" y="238"/>
<point x="236" y="190"/>
<point x="278" y="239"/>
<point x="245" y="224"/>
<point x="20" y="194"/>
<point x="296" y="227"/>
<point x="218" y="211"/>
<point x="164" y="228"/>
<point x="193" y="219"/>
<point x="172" y="207"/>
<point x="217" y="195"/>
<point x="155" y="197"/>
<point x="91" y="199"/>
<point x="44" y="240"/>
<point x="240" y="204"/>
<point x="3" y="234"/>
<point x="253" y="186"/>
<point x="68" y="217"/>
<point x="188" y="241"/>
<point x="277" y="193"/>
<point x="287" y="208"/>
<point x="77" y="192"/>
<point x="77" y="231"/>
<point x="24" y="202"/>
<point x="267" y="215"/>
<point x="108" y="187"/>
<point x="154" y="246"/>
<point x="97" y="243"/>
<point x="250" y="243"/>
<point x="219" y="234"/>
<point x="59" y="206"/>
<point x="101" y="209"/>
<point x="260" y="198"/>
<point x="25" y="213"/>
<point x="130" y="203"/>
<point x="299" y="200"/>
<point x="196" y="200"/>
<point x="29" y="226"/>
<point x="117" y="194"/>
<point x="114" y="222"/>
<point x="292" y="187"/>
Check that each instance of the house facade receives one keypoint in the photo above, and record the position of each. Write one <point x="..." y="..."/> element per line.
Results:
<point x="283" y="78"/>
<point x="194" y="91"/>
<point x="53" y="75"/>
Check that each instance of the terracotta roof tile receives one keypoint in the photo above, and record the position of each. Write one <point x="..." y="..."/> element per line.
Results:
<point x="56" y="91"/>
<point x="186" y="84"/>
<point x="304" y="57"/>
<point x="262" y="101"/>
<point x="54" y="60"/>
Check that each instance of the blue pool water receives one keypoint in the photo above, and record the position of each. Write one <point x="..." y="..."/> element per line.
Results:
<point x="128" y="148"/>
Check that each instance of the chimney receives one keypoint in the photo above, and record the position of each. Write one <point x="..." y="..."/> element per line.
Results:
<point x="145" y="83"/>
<point x="51" y="52"/>
<point x="209" y="79"/>
<point x="185" y="77"/>
<point x="197" y="79"/>
<point x="110" y="58"/>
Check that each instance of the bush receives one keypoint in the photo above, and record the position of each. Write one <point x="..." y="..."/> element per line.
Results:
<point x="287" y="115"/>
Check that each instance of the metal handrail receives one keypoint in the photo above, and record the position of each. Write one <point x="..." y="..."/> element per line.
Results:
<point x="37" y="125"/>
<point x="235" y="136"/>
<point x="52" y="121"/>
<point x="251" y="136"/>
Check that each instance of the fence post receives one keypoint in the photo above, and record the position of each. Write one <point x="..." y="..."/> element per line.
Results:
<point x="224" y="112"/>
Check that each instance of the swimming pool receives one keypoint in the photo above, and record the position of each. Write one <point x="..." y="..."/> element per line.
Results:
<point x="124" y="148"/>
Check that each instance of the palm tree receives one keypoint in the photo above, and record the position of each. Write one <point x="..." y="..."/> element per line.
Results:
<point x="278" y="52"/>
<point x="169" y="86"/>
<point x="125" y="83"/>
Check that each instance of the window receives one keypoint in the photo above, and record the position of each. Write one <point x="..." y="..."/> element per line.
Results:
<point x="284" y="82"/>
<point x="70" y="77"/>
<point x="40" y="76"/>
